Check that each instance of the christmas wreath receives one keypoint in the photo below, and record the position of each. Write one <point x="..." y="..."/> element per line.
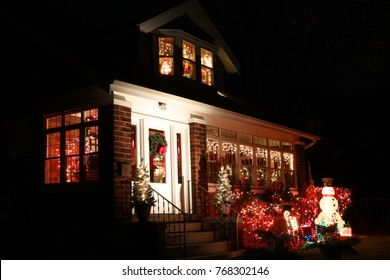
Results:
<point x="157" y="144"/>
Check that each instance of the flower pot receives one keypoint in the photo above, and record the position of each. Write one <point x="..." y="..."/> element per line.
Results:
<point x="224" y="209"/>
<point x="143" y="211"/>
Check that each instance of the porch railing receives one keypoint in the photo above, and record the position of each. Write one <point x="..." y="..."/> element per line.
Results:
<point x="175" y="219"/>
<point x="226" y="224"/>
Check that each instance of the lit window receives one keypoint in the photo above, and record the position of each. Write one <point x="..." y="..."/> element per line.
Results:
<point x="165" y="52"/>
<point x="189" y="68"/>
<point x="71" y="147"/>
<point x="207" y="72"/>
<point x="157" y="149"/>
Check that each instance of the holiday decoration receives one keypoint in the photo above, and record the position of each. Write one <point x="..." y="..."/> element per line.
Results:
<point x="142" y="192"/>
<point x="223" y="191"/>
<point x="256" y="218"/>
<point x="329" y="206"/>
<point x="158" y="144"/>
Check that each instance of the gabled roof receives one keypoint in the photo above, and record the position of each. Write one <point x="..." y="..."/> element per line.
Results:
<point x="196" y="13"/>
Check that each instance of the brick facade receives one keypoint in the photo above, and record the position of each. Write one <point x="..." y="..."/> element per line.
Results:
<point x="122" y="157"/>
<point x="198" y="161"/>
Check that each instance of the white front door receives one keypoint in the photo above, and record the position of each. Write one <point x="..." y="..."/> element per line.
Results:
<point x="169" y="174"/>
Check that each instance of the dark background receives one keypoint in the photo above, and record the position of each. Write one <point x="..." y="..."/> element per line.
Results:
<point x="318" y="66"/>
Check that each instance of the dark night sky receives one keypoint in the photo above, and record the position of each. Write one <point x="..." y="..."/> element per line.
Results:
<point x="319" y="66"/>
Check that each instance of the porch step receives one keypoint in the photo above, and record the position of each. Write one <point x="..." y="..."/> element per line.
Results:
<point x="201" y="250"/>
<point x="203" y="242"/>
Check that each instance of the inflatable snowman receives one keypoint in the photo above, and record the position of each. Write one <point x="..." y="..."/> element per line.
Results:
<point x="329" y="206"/>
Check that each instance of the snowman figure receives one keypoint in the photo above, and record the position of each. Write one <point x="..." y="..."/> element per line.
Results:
<point x="329" y="206"/>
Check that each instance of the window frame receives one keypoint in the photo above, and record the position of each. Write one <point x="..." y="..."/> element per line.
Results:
<point x="221" y="135"/>
<point x="178" y="38"/>
<point x="86" y="121"/>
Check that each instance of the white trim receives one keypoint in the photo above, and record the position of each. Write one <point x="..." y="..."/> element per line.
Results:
<point x="183" y="110"/>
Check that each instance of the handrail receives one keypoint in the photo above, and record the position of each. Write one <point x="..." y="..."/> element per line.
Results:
<point x="165" y="211"/>
<point x="237" y="216"/>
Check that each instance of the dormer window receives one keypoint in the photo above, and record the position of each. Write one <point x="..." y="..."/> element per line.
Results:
<point x="195" y="57"/>
<point x="165" y="53"/>
<point x="189" y="67"/>
<point x="207" y="73"/>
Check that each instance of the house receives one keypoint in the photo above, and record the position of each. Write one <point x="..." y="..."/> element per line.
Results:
<point x="171" y="83"/>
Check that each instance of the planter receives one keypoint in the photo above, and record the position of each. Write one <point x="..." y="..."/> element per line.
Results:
<point x="224" y="209"/>
<point x="143" y="211"/>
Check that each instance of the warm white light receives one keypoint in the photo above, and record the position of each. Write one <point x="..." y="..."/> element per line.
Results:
<point x="329" y="206"/>
<point x="220" y="93"/>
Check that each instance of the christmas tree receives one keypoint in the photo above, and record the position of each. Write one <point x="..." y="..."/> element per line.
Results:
<point x="223" y="188"/>
<point x="142" y="192"/>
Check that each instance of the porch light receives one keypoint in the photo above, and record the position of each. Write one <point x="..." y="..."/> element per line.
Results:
<point x="162" y="105"/>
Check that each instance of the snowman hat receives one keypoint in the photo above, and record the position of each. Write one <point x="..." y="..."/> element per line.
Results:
<point x="327" y="191"/>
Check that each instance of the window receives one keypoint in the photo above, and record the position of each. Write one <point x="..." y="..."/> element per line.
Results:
<point x="261" y="162"/>
<point x="157" y="150"/>
<point x="72" y="147"/>
<point x="165" y="53"/>
<point x="189" y="56"/>
<point x="197" y="59"/>
<point x="179" y="159"/>
<point x="206" y="61"/>
<point x="212" y="160"/>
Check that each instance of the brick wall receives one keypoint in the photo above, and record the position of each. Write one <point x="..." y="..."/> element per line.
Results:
<point x="122" y="157"/>
<point x="198" y="163"/>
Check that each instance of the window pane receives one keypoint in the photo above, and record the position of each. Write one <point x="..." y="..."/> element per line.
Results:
<point x="52" y="171"/>
<point x="91" y="163"/>
<point x="91" y="140"/>
<point x="53" y="122"/>
<point x="246" y="154"/>
<point x="212" y="171"/>
<point x="286" y="146"/>
<point x="242" y="137"/>
<point x="230" y="134"/>
<point x="188" y="51"/>
<point x="246" y="174"/>
<point x="229" y="152"/>
<point x="165" y="46"/>
<point x="260" y="140"/>
<point x="166" y="65"/>
<point x="261" y="157"/>
<point x="72" y="169"/>
<point x="212" y="149"/>
<point x="276" y="177"/>
<point x="179" y="159"/>
<point x="157" y="156"/>
<point x="73" y="118"/>
<point x="207" y="76"/>
<point x="212" y="131"/>
<point x="275" y="159"/>
<point x="206" y="58"/>
<point x="274" y="143"/>
<point x="261" y="177"/>
<point x="288" y="161"/>
<point x="91" y="115"/>
<point x="289" y="179"/>
<point x="189" y="69"/>
<point x="72" y="142"/>
<point x="53" y="145"/>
